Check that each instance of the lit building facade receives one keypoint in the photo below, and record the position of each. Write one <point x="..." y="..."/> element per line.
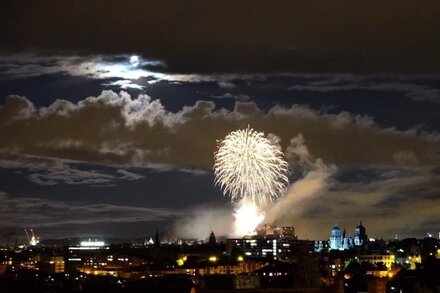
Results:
<point x="281" y="232"/>
<point x="230" y="269"/>
<point x="375" y="259"/>
<point x="343" y="241"/>
<point x="53" y="264"/>
<point x="269" y="240"/>
<point x="78" y="254"/>
<point x="259" y="246"/>
<point x="382" y="263"/>
<point x="321" y="246"/>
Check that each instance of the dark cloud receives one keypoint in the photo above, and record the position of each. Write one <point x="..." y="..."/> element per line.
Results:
<point x="124" y="84"/>
<point x="413" y="89"/>
<point x="231" y="36"/>
<point x="233" y="97"/>
<point x="116" y="129"/>
<point x="65" y="174"/>
<point x="54" y="215"/>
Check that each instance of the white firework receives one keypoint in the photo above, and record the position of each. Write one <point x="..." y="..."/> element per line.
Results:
<point x="249" y="165"/>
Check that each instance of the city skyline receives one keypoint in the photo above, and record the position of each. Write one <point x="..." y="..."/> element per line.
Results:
<point x="110" y="115"/>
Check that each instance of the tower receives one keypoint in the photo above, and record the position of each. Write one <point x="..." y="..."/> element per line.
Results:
<point x="360" y="236"/>
<point x="156" y="239"/>
<point x="347" y="241"/>
<point x="335" y="238"/>
<point x="212" y="241"/>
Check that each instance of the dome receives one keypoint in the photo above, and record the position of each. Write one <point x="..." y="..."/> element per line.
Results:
<point x="336" y="232"/>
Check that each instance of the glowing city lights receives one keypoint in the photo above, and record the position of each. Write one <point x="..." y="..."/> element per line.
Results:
<point x="90" y="243"/>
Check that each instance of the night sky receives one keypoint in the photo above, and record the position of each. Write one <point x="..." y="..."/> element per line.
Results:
<point x="110" y="112"/>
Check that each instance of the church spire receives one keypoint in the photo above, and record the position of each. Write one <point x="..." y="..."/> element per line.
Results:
<point x="212" y="240"/>
<point x="156" y="239"/>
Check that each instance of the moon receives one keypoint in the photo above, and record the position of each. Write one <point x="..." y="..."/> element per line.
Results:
<point x="134" y="60"/>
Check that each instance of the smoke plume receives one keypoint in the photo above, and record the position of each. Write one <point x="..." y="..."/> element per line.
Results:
<point x="314" y="178"/>
<point x="314" y="181"/>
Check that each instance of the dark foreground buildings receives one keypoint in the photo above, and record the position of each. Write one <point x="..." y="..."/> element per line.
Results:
<point x="273" y="260"/>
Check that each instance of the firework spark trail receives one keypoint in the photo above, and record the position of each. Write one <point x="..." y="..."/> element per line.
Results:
<point x="249" y="165"/>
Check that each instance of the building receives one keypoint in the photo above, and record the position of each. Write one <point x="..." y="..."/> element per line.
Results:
<point x="53" y="264"/>
<point x="336" y="238"/>
<point x="270" y="240"/>
<point x="241" y="267"/>
<point x="381" y="264"/>
<point x="377" y="259"/>
<point x="268" y="246"/>
<point x="343" y="241"/>
<point x="322" y="246"/>
<point x="257" y="246"/>
<point x="110" y="265"/>
<point x="360" y="236"/>
<point x="212" y="241"/>
<point x="280" y="232"/>
<point x="77" y="254"/>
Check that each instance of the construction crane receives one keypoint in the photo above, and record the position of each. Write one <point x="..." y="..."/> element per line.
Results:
<point x="32" y="239"/>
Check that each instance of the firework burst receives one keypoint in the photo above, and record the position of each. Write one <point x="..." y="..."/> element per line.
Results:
<point x="248" y="165"/>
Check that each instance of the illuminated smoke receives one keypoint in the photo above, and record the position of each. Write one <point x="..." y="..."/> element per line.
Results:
<point x="247" y="218"/>
<point x="315" y="181"/>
